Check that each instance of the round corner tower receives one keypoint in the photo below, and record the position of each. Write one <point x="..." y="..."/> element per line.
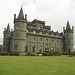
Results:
<point x="6" y="39"/>
<point x="19" y="32"/>
<point x="69" y="38"/>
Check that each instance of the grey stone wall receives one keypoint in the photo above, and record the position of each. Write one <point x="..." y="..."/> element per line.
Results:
<point x="69" y="42"/>
<point x="42" y="43"/>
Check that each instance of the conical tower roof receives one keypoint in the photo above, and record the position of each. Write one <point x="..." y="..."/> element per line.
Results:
<point x="21" y="15"/>
<point x="8" y="28"/>
<point x="68" y="26"/>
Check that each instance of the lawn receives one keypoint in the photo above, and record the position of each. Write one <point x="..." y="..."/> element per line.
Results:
<point x="35" y="65"/>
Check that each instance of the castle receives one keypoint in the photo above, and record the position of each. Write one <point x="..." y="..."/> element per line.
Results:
<point x="36" y="37"/>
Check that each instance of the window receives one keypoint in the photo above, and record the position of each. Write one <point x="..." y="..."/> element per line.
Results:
<point x="4" y="41"/>
<point x="3" y="49"/>
<point x="57" y="48"/>
<point x="61" y="41"/>
<point x="16" y="35"/>
<point x="33" y="50"/>
<point x="40" y="49"/>
<point x="52" y="40"/>
<point x="34" y="39"/>
<point x="69" y="50"/>
<point x="40" y="39"/>
<point x="57" y="41"/>
<point x="27" y="37"/>
<point x="52" y="48"/>
<point x="34" y="32"/>
<point x="15" y="46"/>
<point x="68" y="41"/>
<point x="46" y="40"/>
<point x="4" y="35"/>
<point x="26" y="48"/>
<point x="46" y="48"/>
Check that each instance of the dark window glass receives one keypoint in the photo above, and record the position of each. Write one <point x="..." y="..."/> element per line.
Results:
<point x="26" y="48"/>
<point x="15" y="46"/>
<point x="33" y="49"/>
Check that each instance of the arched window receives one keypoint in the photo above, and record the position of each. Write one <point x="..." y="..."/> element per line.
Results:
<point x="34" y="38"/>
<point x="57" y="48"/>
<point x="57" y="41"/>
<point x="15" y="46"/>
<point x="3" y="49"/>
<point x="33" y="50"/>
<point x="40" y="39"/>
<point x="52" y="40"/>
<point x="52" y="48"/>
<point x="69" y="50"/>
<point x="26" y="48"/>
<point x="46" y="40"/>
<point x="16" y="35"/>
<point x="46" y="48"/>
<point x="68" y="41"/>
<point x="40" y="49"/>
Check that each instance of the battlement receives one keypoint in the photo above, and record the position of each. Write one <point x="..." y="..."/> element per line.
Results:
<point x="38" y="21"/>
<point x="44" y="32"/>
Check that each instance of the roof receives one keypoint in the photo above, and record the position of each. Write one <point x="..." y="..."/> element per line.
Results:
<point x="68" y="26"/>
<point x="8" y="28"/>
<point x="21" y="15"/>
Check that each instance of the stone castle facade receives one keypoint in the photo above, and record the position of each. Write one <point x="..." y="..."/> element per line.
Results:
<point x="36" y="37"/>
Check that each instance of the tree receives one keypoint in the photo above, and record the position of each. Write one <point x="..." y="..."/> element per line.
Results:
<point x="0" y="47"/>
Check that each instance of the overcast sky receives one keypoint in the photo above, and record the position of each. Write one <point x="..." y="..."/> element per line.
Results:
<point x="54" y="12"/>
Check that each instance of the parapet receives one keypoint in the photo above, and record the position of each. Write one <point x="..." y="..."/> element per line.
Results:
<point x="38" y="21"/>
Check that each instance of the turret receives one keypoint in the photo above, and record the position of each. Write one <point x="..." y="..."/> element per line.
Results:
<point x="68" y="38"/>
<point x="20" y="24"/>
<point x="25" y="16"/>
<point x="6" y="39"/>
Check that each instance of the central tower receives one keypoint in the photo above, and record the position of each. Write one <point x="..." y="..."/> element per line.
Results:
<point x="20" y="24"/>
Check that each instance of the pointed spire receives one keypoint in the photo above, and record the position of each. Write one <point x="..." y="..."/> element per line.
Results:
<point x="8" y="28"/>
<point x="68" y="26"/>
<point x="21" y="15"/>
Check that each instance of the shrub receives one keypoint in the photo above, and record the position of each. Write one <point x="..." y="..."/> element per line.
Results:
<point x="14" y="54"/>
<point x="4" y="53"/>
<point x="48" y="53"/>
<point x="74" y="53"/>
<point x="28" y="54"/>
<point x="57" y="53"/>
<point x="1" y="53"/>
<point x="45" y="54"/>
<point x="39" y="53"/>
<point x="33" y="54"/>
<point x="64" y="53"/>
<point x="70" y="55"/>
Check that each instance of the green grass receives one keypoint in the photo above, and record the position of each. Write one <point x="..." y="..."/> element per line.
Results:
<point x="34" y="65"/>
